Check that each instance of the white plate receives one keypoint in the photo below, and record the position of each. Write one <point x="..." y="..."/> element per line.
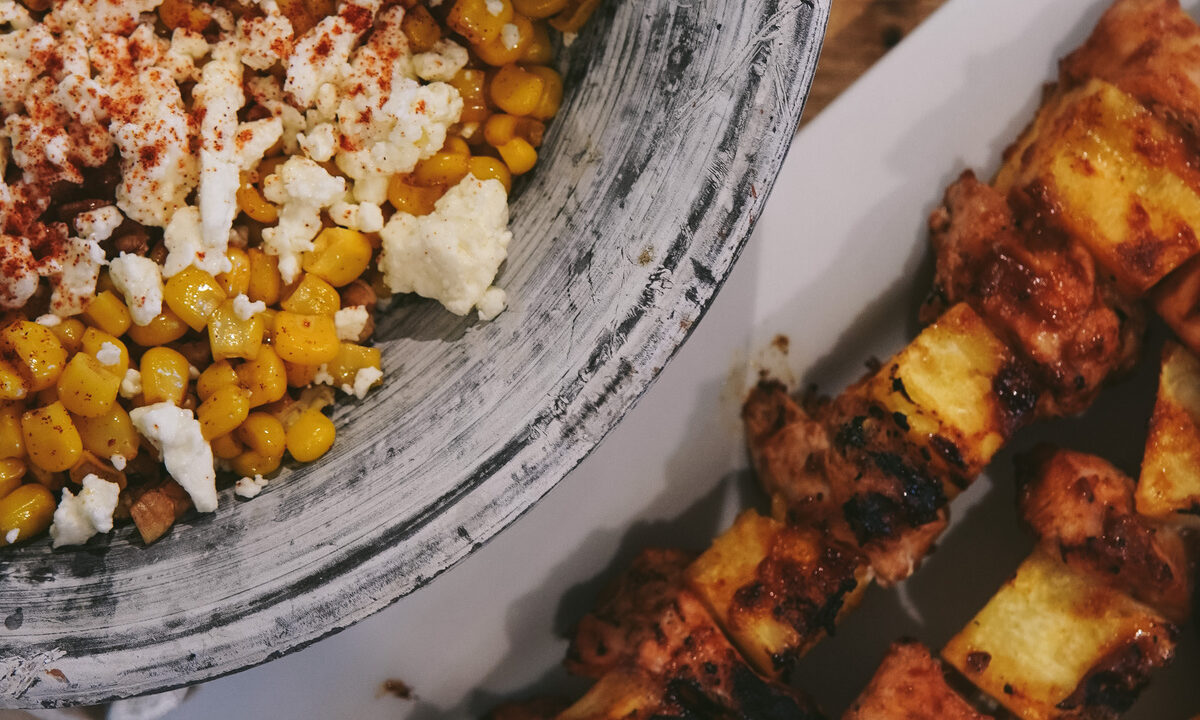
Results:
<point x="838" y="264"/>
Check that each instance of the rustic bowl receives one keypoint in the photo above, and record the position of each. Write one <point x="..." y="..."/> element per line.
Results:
<point x="677" y="118"/>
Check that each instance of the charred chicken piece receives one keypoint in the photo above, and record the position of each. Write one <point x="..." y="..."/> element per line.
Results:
<point x="910" y="685"/>
<point x="1082" y="509"/>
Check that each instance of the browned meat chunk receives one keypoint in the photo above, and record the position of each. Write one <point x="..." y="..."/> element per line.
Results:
<point x="910" y="685"/>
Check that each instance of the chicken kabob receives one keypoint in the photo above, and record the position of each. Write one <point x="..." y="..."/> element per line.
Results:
<point x="1037" y="301"/>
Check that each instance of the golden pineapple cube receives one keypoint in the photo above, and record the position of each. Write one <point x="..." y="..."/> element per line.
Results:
<point x="776" y="589"/>
<point x="1113" y="176"/>
<point x="910" y="685"/>
<point x="957" y="389"/>
<point x="1170" y="481"/>
<point x="1054" y="641"/>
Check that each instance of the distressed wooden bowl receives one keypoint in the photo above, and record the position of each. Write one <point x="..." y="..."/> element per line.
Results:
<point x="678" y="116"/>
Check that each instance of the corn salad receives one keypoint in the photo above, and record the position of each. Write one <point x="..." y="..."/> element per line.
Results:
<point x="202" y="205"/>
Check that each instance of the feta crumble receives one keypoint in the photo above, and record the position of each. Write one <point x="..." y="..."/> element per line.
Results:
<point x="139" y="279"/>
<point x="49" y="320"/>
<point x="12" y="536"/>
<point x="245" y="309"/>
<point x="250" y="487"/>
<point x="79" y="517"/>
<point x="109" y="354"/>
<point x="350" y="322"/>
<point x="364" y="380"/>
<point x="176" y="434"/>
<point x="118" y="461"/>
<point x="302" y="188"/>
<point x="131" y="384"/>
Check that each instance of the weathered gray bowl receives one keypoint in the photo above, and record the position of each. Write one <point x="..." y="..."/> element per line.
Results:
<point x="677" y="118"/>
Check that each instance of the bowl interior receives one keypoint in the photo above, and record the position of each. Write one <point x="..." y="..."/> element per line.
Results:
<point x="676" y="120"/>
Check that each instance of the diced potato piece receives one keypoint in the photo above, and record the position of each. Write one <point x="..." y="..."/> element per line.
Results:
<point x="1053" y="640"/>
<point x="910" y="685"/>
<point x="1115" y="177"/>
<point x="776" y="589"/>
<point x="157" y="508"/>
<point x="1170" y="481"/>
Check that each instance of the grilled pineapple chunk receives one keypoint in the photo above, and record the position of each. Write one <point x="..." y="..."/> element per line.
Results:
<point x="959" y="390"/>
<point x="1114" y="176"/>
<point x="776" y="589"/>
<point x="1054" y="640"/>
<point x="909" y="685"/>
<point x="1170" y="481"/>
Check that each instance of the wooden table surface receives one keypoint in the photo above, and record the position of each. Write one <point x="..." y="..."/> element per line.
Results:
<point x="860" y="32"/>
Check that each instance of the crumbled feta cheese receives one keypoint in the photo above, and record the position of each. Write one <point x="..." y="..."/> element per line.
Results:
<point x="322" y="54"/>
<point x="452" y="254"/>
<point x="12" y="536"/>
<point x="186" y="245"/>
<point x="568" y="39"/>
<point x="255" y="138"/>
<point x="49" y="320"/>
<point x="510" y="36"/>
<point x="443" y="61"/>
<point x="78" y="517"/>
<point x="118" y="462"/>
<point x="187" y="456"/>
<point x="350" y="322"/>
<point x="322" y="377"/>
<point x="99" y="224"/>
<point x="265" y="39"/>
<point x="364" y="217"/>
<point x="76" y="282"/>
<point x="218" y="97"/>
<point x="494" y="7"/>
<point x="364" y="379"/>
<point x="131" y="384"/>
<point x="193" y="372"/>
<point x="19" y="281"/>
<point x="302" y="188"/>
<point x="139" y="279"/>
<point x="320" y="143"/>
<point x="493" y="302"/>
<point x="245" y="309"/>
<point x="250" y="487"/>
<point x="109" y="354"/>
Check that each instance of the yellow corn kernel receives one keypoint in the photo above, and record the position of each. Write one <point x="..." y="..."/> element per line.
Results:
<point x="265" y="376"/>
<point x="473" y="20"/>
<point x="35" y="352"/>
<point x="70" y="333"/>
<point x="12" y="383"/>
<point x="350" y="359"/>
<point x="552" y="93"/>
<point x="539" y="8"/>
<point x="268" y="320"/>
<point x="184" y="14"/>
<point x="518" y="155"/>
<point x="256" y="207"/>
<point x="412" y="199"/>
<point x="305" y="339"/>
<point x="164" y="376"/>
<point x="471" y="86"/>
<point x="421" y="29"/>
<point x="264" y="434"/>
<point x="443" y="168"/>
<point x="52" y="481"/>
<point x="51" y="439"/>
<point x="312" y="296"/>
<point x="223" y="411"/>
<point x="572" y="18"/>
<point x="237" y="280"/>
<point x="455" y="144"/>
<point x="108" y="312"/>
<point x="484" y="167"/>
<point x="214" y="377"/>
<point x="310" y="436"/>
<point x="265" y="281"/>
<point x="28" y="510"/>
<point x="12" y="442"/>
<point x="166" y="327"/>
<point x="539" y="51"/>
<point x="515" y="90"/>
<point x="12" y="473"/>
<point x="94" y="344"/>
<point x="299" y="376"/>
<point x="46" y="396"/>
<point x="338" y="256"/>
<point x="109" y="434"/>
<point x="230" y="336"/>
<point x="193" y="295"/>
<point x="86" y="387"/>
<point x="250" y="463"/>
<point x="501" y="129"/>
<point x="505" y="49"/>
<point x="227" y="447"/>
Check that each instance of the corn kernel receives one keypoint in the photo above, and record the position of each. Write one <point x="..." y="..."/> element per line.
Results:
<point x="109" y="434"/>
<point x="89" y="464"/>
<point x="338" y="256"/>
<point x="572" y="18"/>
<point x="236" y="281"/>
<point x="12" y="383"/>
<point x="305" y="339"/>
<point x="230" y="336"/>
<point x="539" y="51"/>
<point x="456" y="145"/>
<point x="421" y="29"/>
<point x="12" y="442"/>
<point x="108" y="312"/>
<point x="310" y="436"/>
<point x="47" y="396"/>
<point x="193" y="295"/>
<point x="256" y="207"/>
<point x="412" y="199"/>
<point x="86" y="387"/>
<point x="223" y="411"/>
<point x="501" y="129"/>
<point x="300" y="375"/>
<point x="70" y="333"/>
<point x="518" y="155"/>
<point x="471" y="85"/>
<point x="552" y="94"/>
<point x="12" y="474"/>
<point x="265" y="376"/>
<point x="227" y="447"/>
<point x="350" y="359"/>
<point x="484" y="167"/>
<point x="539" y="8"/>
<point x="95" y="343"/>
<point x="35" y="352"/>
<point x="51" y="439"/>
<point x="166" y="327"/>
<point x="264" y="434"/>
<point x="473" y="20"/>
<point x="501" y="50"/>
<point x="214" y="377"/>
<point x="443" y="168"/>
<point x="184" y="14"/>
<point x="250" y="463"/>
<point x="312" y="296"/>
<point x="515" y="90"/>
<point x="265" y="280"/>
<point x="28" y="510"/>
<point x="164" y="376"/>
